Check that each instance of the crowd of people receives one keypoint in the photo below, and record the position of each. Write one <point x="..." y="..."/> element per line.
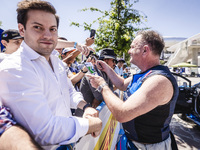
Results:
<point x="48" y="99"/>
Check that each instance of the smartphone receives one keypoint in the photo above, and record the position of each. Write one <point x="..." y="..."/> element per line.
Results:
<point x="92" y="33"/>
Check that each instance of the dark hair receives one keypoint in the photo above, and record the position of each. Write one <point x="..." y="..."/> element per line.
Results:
<point x="7" y="40"/>
<point x="25" y="5"/>
<point x="94" y="55"/>
<point x="62" y="38"/>
<point x="154" y="40"/>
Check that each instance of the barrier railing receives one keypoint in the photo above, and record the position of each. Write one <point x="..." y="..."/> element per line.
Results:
<point x="108" y="136"/>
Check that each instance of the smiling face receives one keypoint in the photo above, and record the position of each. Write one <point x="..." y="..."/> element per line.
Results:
<point x="40" y="32"/>
<point x="120" y="64"/>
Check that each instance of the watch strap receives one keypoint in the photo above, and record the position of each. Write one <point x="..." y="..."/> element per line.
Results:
<point x="86" y="105"/>
<point x="84" y="71"/>
<point x="100" y="87"/>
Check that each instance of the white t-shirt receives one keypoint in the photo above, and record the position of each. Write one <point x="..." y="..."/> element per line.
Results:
<point x="119" y="71"/>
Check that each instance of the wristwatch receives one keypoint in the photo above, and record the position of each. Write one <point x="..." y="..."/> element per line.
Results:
<point x="86" y="105"/>
<point x="100" y="87"/>
<point x="84" y="71"/>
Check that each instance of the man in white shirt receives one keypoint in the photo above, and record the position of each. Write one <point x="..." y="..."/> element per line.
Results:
<point x="34" y="84"/>
<point x="119" y="70"/>
<point x="118" y="67"/>
<point x="11" y="40"/>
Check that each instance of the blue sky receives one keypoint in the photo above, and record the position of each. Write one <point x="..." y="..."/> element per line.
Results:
<point x="176" y="18"/>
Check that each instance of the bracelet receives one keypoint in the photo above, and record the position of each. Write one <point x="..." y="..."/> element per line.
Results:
<point x="100" y="87"/>
<point x="84" y="71"/>
<point x="86" y="105"/>
<point x="75" y="43"/>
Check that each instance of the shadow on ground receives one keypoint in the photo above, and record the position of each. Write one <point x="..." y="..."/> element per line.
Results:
<point x="187" y="134"/>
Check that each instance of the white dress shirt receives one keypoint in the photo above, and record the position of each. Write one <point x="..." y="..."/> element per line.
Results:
<point x="3" y="56"/>
<point x="40" y="98"/>
<point x="119" y="71"/>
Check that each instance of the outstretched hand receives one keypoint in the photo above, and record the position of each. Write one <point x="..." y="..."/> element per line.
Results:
<point x="89" y="41"/>
<point x="85" y="50"/>
<point x="103" y="66"/>
<point x="95" y="80"/>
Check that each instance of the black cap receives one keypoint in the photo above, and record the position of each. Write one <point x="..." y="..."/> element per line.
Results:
<point x="107" y="53"/>
<point x="10" y="34"/>
<point x="121" y="60"/>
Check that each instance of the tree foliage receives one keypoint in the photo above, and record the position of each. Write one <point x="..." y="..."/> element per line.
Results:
<point x="117" y="27"/>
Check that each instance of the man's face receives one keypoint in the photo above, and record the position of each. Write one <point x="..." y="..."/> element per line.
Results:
<point x="120" y="64"/>
<point x="41" y="32"/>
<point x="136" y="50"/>
<point x="12" y="45"/>
<point x="93" y="60"/>
<point x="110" y="62"/>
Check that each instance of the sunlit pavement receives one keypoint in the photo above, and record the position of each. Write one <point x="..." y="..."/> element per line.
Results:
<point x="187" y="134"/>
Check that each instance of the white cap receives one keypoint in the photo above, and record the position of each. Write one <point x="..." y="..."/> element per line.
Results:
<point x="68" y="49"/>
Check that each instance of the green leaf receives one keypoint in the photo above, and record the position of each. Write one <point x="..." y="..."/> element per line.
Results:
<point x="117" y="26"/>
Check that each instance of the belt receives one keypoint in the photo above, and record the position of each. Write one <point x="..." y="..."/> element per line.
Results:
<point x="140" y="142"/>
<point x="147" y="143"/>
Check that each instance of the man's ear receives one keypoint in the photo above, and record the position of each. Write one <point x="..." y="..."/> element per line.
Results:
<point x="21" y="29"/>
<point x="146" y="50"/>
<point x="4" y="42"/>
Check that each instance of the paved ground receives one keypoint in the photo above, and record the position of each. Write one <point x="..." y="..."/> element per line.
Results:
<point x="187" y="134"/>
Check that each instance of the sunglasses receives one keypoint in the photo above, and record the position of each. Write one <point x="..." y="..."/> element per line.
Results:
<point x="113" y="60"/>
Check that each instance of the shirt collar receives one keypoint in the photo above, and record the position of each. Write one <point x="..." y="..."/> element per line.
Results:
<point x="55" y="52"/>
<point x="29" y="52"/>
